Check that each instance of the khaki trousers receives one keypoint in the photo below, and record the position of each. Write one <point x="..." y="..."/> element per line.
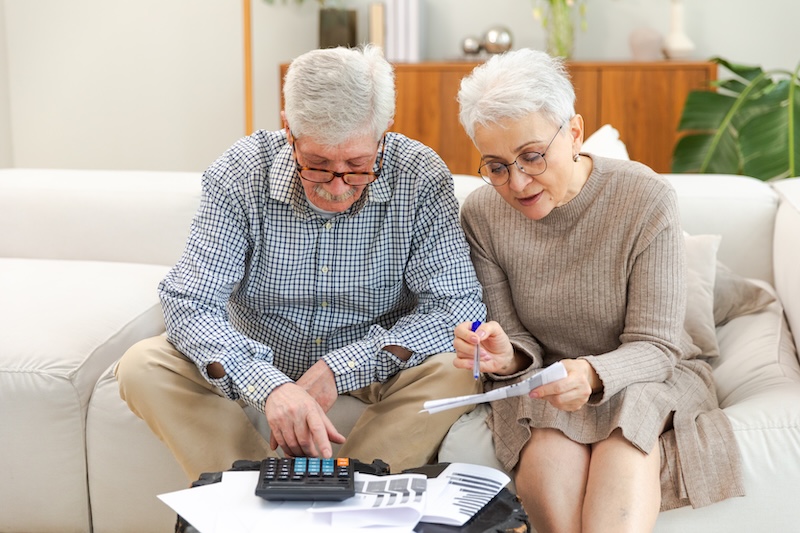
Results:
<point x="207" y="432"/>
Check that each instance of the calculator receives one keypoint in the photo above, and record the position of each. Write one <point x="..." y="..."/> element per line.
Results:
<point x="306" y="478"/>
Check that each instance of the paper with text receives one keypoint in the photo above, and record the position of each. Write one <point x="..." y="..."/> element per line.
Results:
<point x="552" y="373"/>
<point x="460" y="492"/>
<point x="394" y="500"/>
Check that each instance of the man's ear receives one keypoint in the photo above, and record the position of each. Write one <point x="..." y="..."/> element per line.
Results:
<point x="286" y="129"/>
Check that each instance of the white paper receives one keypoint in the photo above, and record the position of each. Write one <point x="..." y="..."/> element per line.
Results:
<point x="231" y="505"/>
<point x="394" y="500"/>
<point x="461" y="491"/>
<point x="452" y="498"/>
<point x="552" y="373"/>
<point x="198" y="505"/>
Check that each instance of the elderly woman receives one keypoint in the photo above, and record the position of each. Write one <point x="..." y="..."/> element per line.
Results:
<point x="582" y="261"/>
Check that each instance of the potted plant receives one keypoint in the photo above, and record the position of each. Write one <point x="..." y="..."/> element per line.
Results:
<point x="558" y="20"/>
<point x="750" y="125"/>
<point x="337" y="25"/>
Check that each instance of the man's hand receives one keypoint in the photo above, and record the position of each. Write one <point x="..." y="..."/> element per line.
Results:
<point x="318" y="381"/>
<point x="298" y="423"/>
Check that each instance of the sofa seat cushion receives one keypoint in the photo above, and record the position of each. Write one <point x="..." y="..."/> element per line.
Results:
<point x="61" y="324"/>
<point x="758" y="385"/>
<point x="120" y="442"/>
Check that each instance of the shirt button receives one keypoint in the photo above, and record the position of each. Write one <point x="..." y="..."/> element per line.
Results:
<point x="318" y="341"/>
<point x="324" y="270"/>
<point x="251" y="389"/>
<point x="324" y="304"/>
<point x="351" y="364"/>
<point x="328" y="225"/>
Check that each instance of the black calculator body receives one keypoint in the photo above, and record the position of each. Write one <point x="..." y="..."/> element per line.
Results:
<point x="306" y="478"/>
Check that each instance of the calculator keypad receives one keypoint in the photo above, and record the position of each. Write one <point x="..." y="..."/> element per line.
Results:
<point x="306" y="478"/>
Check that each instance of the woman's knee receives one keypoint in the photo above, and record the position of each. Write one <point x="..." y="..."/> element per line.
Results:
<point x="551" y="480"/>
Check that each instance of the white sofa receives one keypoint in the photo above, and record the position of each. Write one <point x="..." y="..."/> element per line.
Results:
<point x="81" y="253"/>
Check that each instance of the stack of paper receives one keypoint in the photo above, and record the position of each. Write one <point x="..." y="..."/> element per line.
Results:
<point x="382" y="504"/>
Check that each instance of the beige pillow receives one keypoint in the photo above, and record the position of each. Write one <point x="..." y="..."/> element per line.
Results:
<point x="701" y="262"/>
<point x="735" y="296"/>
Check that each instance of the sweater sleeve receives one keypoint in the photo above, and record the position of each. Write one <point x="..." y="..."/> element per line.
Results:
<point x="651" y="339"/>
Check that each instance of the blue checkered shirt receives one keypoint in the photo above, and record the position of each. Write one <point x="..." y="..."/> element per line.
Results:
<point x="266" y="287"/>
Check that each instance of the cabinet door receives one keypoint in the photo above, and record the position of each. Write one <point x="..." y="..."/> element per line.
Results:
<point x="427" y="110"/>
<point x="645" y="102"/>
<point x="585" y="80"/>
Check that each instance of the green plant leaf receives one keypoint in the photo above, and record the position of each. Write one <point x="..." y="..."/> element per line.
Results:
<point x="763" y="141"/>
<point x="692" y="150"/>
<point x="746" y="72"/>
<point x="750" y="126"/>
<point x="729" y="86"/>
<point x="705" y="111"/>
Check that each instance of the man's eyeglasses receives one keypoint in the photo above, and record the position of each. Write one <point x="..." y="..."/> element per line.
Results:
<point x="317" y="175"/>
<point x="530" y="163"/>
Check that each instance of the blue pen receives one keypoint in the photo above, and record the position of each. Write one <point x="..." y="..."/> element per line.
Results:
<point x="476" y="364"/>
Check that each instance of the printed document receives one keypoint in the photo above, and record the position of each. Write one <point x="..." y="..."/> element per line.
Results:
<point x="552" y="373"/>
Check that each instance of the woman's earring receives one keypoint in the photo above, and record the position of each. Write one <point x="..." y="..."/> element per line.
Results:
<point x="576" y="157"/>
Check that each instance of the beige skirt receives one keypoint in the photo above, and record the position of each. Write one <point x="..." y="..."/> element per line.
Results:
<point x="700" y="461"/>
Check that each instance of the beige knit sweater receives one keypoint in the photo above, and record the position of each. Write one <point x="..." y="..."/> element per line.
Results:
<point x="603" y="277"/>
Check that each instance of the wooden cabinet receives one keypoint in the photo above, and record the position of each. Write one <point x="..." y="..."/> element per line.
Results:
<point x="643" y="100"/>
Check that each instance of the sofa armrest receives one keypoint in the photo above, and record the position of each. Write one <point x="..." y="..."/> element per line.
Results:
<point x="787" y="250"/>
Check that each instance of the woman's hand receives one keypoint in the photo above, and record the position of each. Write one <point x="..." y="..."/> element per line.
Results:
<point x="572" y="392"/>
<point x="496" y="352"/>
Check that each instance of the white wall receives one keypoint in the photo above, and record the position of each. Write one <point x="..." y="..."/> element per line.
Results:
<point x="763" y="33"/>
<point x="157" y="84"/>
<point x="5" y="116"/>
<point x="150" y="84"/>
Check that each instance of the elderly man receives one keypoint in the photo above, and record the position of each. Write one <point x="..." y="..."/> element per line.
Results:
<point x="325" y="259"/>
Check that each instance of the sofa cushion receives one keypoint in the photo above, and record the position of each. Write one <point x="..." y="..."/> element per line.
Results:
<point x="606" y="142"/>
<point x="757" y="353"/>
<point x="120" y="442"/>
<point x="464" y="185"/>
<point x="735" y="296"/>
<point x="701" y="261"/>
<point x="62" y="324"/>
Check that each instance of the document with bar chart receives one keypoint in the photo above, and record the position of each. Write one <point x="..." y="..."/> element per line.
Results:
<point x="460" y="491"/>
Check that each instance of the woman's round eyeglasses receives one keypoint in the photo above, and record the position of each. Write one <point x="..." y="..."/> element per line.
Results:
<point x="530" y="163"/>
<point x="317" y="175"/>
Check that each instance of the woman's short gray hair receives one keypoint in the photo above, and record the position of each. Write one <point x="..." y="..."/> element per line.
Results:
<point x="513" y="85"/>
<point x="336" y="94"/>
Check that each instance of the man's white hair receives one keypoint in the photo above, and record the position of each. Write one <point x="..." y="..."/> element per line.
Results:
<point x="336" y="94"/>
